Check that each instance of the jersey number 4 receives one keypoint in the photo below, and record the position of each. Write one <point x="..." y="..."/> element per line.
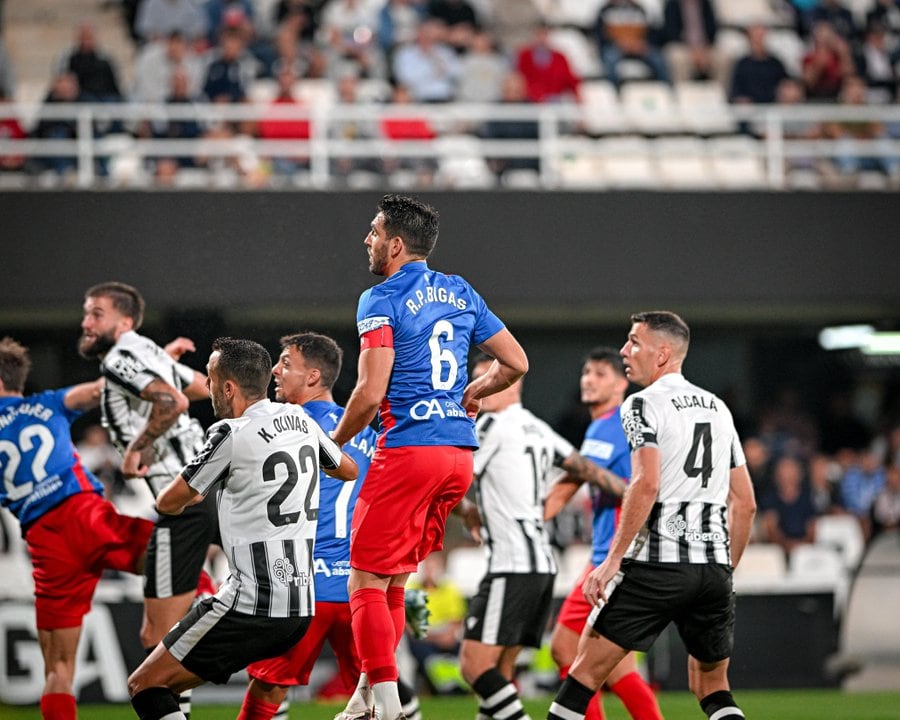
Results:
<point x="308" y="467"/>
<point x="31" y="437"/>
<point x="699" y="459"/>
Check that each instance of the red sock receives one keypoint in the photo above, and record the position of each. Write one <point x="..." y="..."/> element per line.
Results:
<point x="58" y="706"/>
<point x="595" y="708"/>
<point x="396" y="601"/>
<point x="255" y="708"/>
<point x="637" y="697"/>
<point x="375" y="636"/>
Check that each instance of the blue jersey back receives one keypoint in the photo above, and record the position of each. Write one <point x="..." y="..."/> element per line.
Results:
<point x="38" y="461"/>
<point x="337" y="500"/>
<point x="435" y="318"/>
<point x="605" y="444"/>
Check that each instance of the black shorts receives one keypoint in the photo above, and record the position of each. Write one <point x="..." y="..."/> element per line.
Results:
<point x="698" y="598"/>
<point x="510" y="609"/>
<point x="214" y="642"/>
<point x="177" y="549"/>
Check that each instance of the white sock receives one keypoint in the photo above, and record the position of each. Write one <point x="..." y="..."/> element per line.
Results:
<point x="361" y="699"/>
<point x="387" y="700"/>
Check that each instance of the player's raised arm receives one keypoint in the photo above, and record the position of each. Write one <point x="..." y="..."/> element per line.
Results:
<point x="510" y="364"/>
<point x="167" y="404"/>
<point x="580" y="468"/>
<point x="374" y="373"/>
<point x="84" y="396"/>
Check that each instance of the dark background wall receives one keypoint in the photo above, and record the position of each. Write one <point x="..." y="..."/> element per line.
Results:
<point x="756" y="275"/>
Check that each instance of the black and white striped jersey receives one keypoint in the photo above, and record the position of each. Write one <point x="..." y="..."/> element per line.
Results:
<point x="512" y="467"/>
<point x="130" y="366"/>
<point x="266" y="463"/>
<point x="698" y="447"/>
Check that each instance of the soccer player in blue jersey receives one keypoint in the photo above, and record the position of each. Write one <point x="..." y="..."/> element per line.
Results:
<point x="72" y="533"/>
<point x="603" y="386"/>
<point x="305" y="374"/>
<point x="416" y="329"/>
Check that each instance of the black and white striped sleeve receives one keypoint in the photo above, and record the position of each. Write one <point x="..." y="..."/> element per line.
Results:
<point x="329" y="452"/>
<point x="213" y="463"/>
<point x="639" y="422"/>
<point x="128" y="370"/>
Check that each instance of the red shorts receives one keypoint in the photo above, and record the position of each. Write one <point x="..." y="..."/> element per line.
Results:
<point x="402" y="509"/>
<point x="574" y="611"/>
<point x="70" y="548"/>
<point x="331" y="622"/>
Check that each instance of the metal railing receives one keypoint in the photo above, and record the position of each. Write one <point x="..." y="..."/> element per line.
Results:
<point x="456" y="125"/>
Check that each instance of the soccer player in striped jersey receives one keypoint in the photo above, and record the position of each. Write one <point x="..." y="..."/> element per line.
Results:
<point x="265" y="457"/>
<point x="510" y="610"/>
<point x="305" y="374"/>
<point x="685" y="523"/>
<point x="415" y="330"/>
<point x="71" y="532"/>
<point x="144" y="407"/>
<point x="603" y="385"/>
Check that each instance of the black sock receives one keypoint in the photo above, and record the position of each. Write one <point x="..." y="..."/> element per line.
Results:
<point x="721" y="705"/>
<point x="573" y="697"/>
<point x="498" y="695"/>
<point x="155" y="703"/>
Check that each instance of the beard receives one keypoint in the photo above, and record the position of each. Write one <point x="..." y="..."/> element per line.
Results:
<point x="377" y="261"/>
<point x="96" y="347"/>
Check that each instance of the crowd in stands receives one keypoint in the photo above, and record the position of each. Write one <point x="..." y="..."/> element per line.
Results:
<point x="441" y="51"/>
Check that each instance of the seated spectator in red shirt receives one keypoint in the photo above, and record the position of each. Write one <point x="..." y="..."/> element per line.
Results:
<point x="547" y="74"/>
<point x="273" y="128"/>
<point x="827" y="64"/>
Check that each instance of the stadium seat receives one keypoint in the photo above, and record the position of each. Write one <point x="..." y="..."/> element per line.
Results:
<point x="737" y="162"/>
<point x="373" y="90"/>
<point x="844" y="533"/>
<point x="654" y="10"/>
<point x="579" y="166"/>
<point x="741" y="13"/>
<point x="627" y="162"/>
<point x="521" y="179"/>
<point x="315" y="93"/>
<point x="683" y="162"/>
<point x="601" y="109"/>
<point x="820" y="564"/>
<point x="704" y="108"/>
<point x="571" y="563"/>
<point x="577" y="13"/>
<point x="787" y="46"/>
<point x="650" y="108"/>
<point x="579" y="51"/>
<point x="762" y="566"/>
<point x="461" y="164"/>
<point x="465" y="568"/>
<point x="262" y="91"/>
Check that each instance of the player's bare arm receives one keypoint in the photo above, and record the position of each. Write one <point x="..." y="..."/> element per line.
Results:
<point x="510" y="364"/>
<point x="178" y="347"/>
<point x="84" y="396"/>
<point x="167" y="404"/>
<point x="471" y="518"/>
<point x="176" y="496"/>
<point x="741" y="511"/>
<point x="636" y="506"/>
<point x="373" y="375"/>
<point x="197" y="389"/>
<point x="346" y="471"/>
<point x="559" y="495"/>
<point x="579" y="468"/>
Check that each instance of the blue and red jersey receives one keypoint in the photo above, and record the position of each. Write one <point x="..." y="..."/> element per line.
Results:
<point x="431" y="320"/>
<point x="337" y="499"/>
<point x="38" y="462"/>
<point x="605" y="444"/>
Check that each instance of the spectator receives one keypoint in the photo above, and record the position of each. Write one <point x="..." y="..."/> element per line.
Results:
<point x="878" y="65"/>
<point x="756" y="75"/>
<point x="887" y="12"/>
<point x="860" y="486"/>
<point x="398" y="22"/>
<point x="513" y="92"/>
<point x="231" y="70"/>
<point x="157" y="61"/>
<point x="790" y="92"/>
<point x="835" y="14"/>
<point x="825" y="485"/>
<point x="94" y="70"/>
<point x="689" y="42"/>
<point x="625" y="43"/>
<point x="483" y="71"/>
<point x="10" y="129"/>
<point x="827" y="63"/>
<point x="460" y="21"/>
<point x="548" y="77"/>
<point x="886" y="508"/>
<point x="408" y="127"/>
<point x="271" y="128"/>
<point x="181" y="128"/>
<point x="157" y="19"/>
<point x="342" y="167"/>
<point x="229" y="13"/>
<point x="64" y="89"/>
<point x="353" y="50"/>
<point x="428" y="68"/>
<point x="354" y="20"/>
<point x="304" y="57"/>
<point x="759" y="465"/>
<point x="7" y="76"/>
<point x="848" y="133"/>
<point x="300" y="11"/>
<point x="788" y="516"/>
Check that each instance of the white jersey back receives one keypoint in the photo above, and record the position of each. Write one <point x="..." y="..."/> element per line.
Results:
<point x="512" y="467"/>
<point x="698" y="447"/>
<point x="129" y="367"/>
<point x="266" y="463"/>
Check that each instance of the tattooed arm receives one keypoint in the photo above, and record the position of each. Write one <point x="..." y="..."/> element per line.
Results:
<point x="580" y="470"/>
<point x="168" y="403"/>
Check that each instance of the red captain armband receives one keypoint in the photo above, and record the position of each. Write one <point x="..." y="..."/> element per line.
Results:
<point x="379" y="337"/>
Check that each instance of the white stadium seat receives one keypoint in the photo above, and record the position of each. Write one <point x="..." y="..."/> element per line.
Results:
<point x="704" y="108"/>
<point x="762" y="566"/>
<point x="627" y="162"/>
<point x="601" y="109"/>
<point x="683" y="162"/>
<point x="650" y="107"/>
<point x="579" y="51"/>
<point x="737" y="162"/>
<point x="844" y="533"/>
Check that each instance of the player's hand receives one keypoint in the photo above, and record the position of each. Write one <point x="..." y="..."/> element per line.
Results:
<point x="472" y="406"/>
<point x="595" y="583"/>
<point x="178" y="347"/>
<point x="136" y="463"/>
<point x="472" y="520"/>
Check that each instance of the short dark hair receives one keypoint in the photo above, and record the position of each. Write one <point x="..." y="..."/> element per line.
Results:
<point x="610" y="356"/>
<point x="665" y="322"/>
<point x="125" y="298"/>
<point x="15" y="364"/>
<point x="245" y="362"/>
<point x="414" y="221"/>
<point x="320" y="351"/>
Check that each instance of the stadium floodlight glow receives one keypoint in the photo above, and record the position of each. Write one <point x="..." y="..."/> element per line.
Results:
<point x="844" y="337"/>
<point x="883" y="343"/>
